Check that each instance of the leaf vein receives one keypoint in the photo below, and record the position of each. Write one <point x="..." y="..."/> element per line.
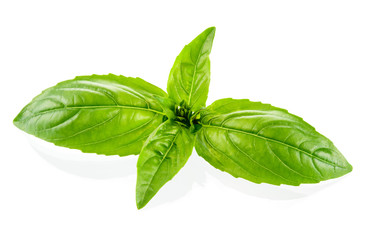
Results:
<point x="162" y="160"/>
<point x="274" y="141"/>
<point x="249" y="157"/>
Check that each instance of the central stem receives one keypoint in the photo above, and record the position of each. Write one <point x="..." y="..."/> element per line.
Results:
<point x="187" y="118"/>
<point x="183" y="116"/>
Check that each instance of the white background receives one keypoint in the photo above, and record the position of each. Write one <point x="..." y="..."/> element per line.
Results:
<point x="305" y="56"/>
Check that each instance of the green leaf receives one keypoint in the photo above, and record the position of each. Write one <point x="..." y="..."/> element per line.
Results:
<point x="190" y="75"/>
<point x="104" y="114"/>
<point x="265" y="144"/>
<point x="168" y="105"/>
<point x="164" y="153"/>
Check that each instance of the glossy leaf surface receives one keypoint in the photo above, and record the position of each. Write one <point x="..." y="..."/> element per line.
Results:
<point x="104" y="114"/>
<point x="164" y="153"/>
<point x="168" y="105"/>
<point x="265" y="144"/>
<point x="117" y="115"/>
<point x="190" y="75"/>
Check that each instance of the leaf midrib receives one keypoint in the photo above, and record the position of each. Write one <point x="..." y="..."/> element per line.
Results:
<point x="163" y="159"/>
<point x="95" y="107"/>
<point x="274" y="141"/>
<point x="195" y="69"/>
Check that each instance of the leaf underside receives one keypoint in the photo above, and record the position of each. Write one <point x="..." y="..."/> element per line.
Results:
<point x="265" y="144"/>
<point x="103" y="114"/>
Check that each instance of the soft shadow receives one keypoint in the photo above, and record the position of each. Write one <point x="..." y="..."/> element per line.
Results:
<point x="106" y="167"/>
<point x="268" y="191"/>
<point x="195" y="172"/>
<point x="87" y="165"/>
<point x="192" y="173"/>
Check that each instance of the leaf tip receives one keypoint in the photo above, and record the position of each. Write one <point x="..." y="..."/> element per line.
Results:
<point x="141" y="199"/>
<point x="344" y="168"/>
<point x="210" y="32"/>
<point x="17" y="120"/>
<point x="211" y="29"/>
<point x="140" y="204"/>
<point x="348" y="168"/>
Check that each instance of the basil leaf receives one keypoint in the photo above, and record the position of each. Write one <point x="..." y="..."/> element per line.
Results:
<point x="190" y="75"/>
<point x="104" y="114"/>
<point x="164" y="153"/>
<point x="168" y="105"/>
<point x="265" y="144"/>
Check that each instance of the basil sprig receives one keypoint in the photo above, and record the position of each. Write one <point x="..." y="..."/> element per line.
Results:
<point x="117" y="115"/>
